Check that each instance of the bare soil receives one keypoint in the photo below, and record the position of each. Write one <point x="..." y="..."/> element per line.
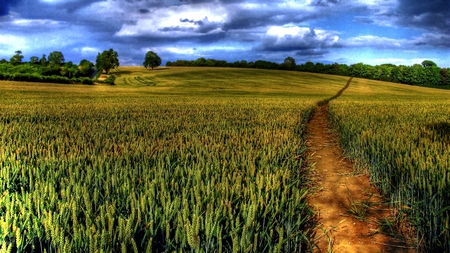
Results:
<point x="337" y="190"/>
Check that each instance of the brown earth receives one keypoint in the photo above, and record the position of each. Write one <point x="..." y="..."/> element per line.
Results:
<point x="336" y="188"/>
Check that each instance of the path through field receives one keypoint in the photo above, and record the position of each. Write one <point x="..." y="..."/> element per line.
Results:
<point x="337" y="191"/>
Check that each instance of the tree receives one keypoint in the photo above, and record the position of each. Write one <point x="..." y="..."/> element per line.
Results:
<point x="70" y="70"/>
<point x="85" y="67"/>
<point x="43" y="60"/>
<point x="17" y="58"/>
<point x="428" y="63"/>
<point x="34" y="60"/>
<point x="107" y="60"/>
<point x="289" y="64"/>
<point x="56" y="58"/>
<point x="152" y="60"/>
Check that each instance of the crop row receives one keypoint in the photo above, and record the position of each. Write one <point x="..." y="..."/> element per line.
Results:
<point x="154" y="176"/>
<point x="406" y="148"/>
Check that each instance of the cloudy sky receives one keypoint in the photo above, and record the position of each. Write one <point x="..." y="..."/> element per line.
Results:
<point x="344" y="31"/>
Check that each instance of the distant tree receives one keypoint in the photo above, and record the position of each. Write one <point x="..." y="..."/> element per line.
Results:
<point x="43" y="60"/>
<point x="289" y="64"/>
<point x="56" y="58"/>
<point x="152" y="60"/>
<point x="34" y="60"/>
<point x="70" y="70"/>
<point x="2" y="61"/>
<point x="309" y="66"/>
<point x="107" y="60"/>
<point x="17" y="58"/>
<point x="85" y="67"/>
<point x="445" y="76"/>
<point x="428" y="63"/>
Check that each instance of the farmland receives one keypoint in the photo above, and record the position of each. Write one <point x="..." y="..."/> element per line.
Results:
<point x="401" y="136"/>
<point x="207" y="166"/>
<point x="204" y="159"/>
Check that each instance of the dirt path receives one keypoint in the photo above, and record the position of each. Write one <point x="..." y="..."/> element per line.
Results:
<point x="337" y="191"/>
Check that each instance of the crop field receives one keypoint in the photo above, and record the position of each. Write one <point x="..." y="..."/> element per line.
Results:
<point x="204" y="161"/>
<point x="401" y="135"/>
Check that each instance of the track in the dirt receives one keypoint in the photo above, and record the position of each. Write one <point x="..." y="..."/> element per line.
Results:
<point x="336" y="189"/>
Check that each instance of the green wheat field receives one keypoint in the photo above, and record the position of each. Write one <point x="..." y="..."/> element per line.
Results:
<point x="206" y="159"/>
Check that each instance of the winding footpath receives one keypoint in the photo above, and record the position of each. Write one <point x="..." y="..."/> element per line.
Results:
<point x="336" y="188"/>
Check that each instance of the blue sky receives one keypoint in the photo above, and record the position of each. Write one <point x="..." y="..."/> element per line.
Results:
<point x="344" y="31"/>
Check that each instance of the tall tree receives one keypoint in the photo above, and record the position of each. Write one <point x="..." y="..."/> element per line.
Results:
<point x="56" y="58"/>
<point x="289" y="63"/>
<point x="43" y="60"/>
<point x="151" y="60"/>
<point x="17" y="58"/>
<point x="34" y="60"/>
<point x="107" y="60"/>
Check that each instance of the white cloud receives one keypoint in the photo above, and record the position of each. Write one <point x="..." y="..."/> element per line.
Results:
<point x="178" y="21"/>
<point x="36" y="23"/>
<point x="375" y="41"/>
<point x="9" y="41"/>
<point x="90" y="50"/>
<point x="401" y="61"/>
<point x="280" y="38"/>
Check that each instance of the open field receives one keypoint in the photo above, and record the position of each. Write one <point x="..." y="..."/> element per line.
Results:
<point x="401" y="135"/>
<point x="159" y="168"/>
<point x="184" y="159"/>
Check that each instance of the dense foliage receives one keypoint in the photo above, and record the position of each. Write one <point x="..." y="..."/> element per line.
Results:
<point x="107" y="60"/>
<point x="425" y="74"/>
<point x="53" y="70"/>
<point x="404" y="142"/>
<point x="151" y="60"/>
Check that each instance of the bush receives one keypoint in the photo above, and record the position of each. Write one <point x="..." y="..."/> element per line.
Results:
<point x="85" y="80"/>
<point x="56" y="79"/>
<point x="110" y="80"/>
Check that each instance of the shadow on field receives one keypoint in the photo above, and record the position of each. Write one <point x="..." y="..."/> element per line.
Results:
<point x="440" y="131"/>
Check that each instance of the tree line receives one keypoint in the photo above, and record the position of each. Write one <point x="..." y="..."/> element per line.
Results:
<point x="54" y="69"/>
<point x="425" y="74"/>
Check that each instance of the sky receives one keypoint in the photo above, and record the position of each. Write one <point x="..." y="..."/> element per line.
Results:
<point x="401" y="32"/>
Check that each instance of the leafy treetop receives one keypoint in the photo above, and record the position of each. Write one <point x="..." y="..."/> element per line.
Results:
<point x="152" y="60"/>
<point x="107" y="60"/>
<point x="56" y="58"/>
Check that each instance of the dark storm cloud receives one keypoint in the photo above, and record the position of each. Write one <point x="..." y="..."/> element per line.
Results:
<point x="237" y="29"/>
<point x="324" y="2"/>
<point x="144" y="11"/>
<point x="242" y="18"/>
<point x="430" y="15"/>
<point x="5" y="4"/>
<point x="312" y="52"/>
